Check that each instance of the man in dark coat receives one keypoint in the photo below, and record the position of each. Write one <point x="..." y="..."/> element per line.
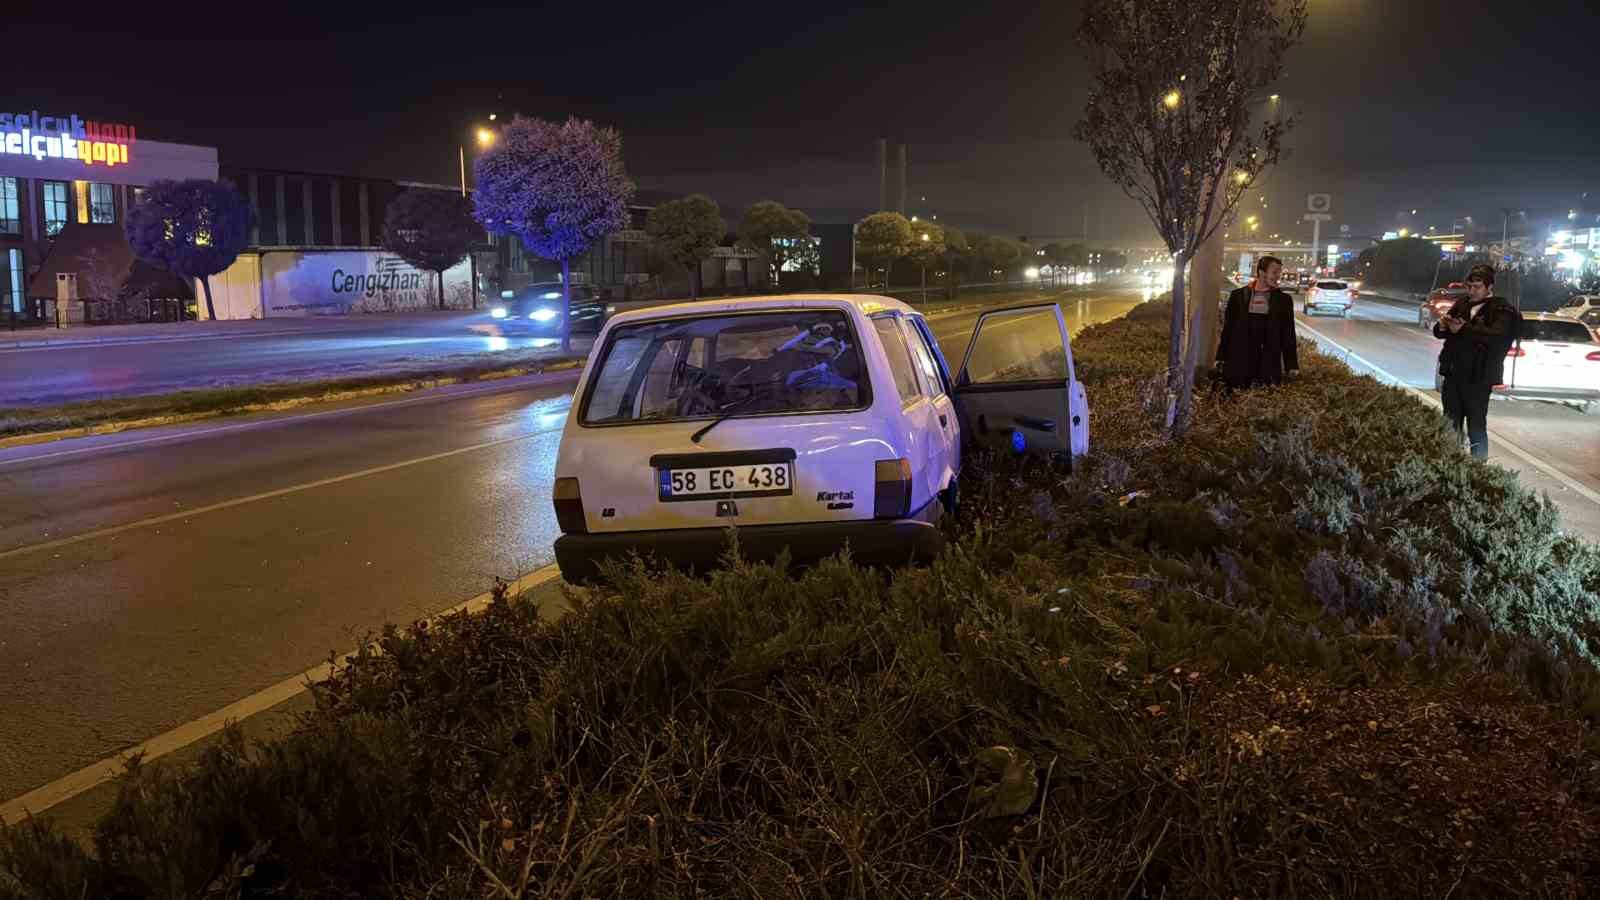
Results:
<point x="1477" y="333"/>
<point x="1258" y="343"/>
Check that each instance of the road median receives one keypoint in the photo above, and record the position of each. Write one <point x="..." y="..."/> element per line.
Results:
<point x="32" y="425"/>
<point x="1310" y="647"/>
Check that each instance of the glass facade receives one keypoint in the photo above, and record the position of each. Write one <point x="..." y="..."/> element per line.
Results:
<point x="12" y="274"/>
<point x="10" y="207"/>
<point x="57" y="207"/>
<point x="102" y="204"/>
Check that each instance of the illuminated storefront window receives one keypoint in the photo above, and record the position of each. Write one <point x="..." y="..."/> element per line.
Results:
<point x="10" y="215"/>
<point x="102" y="204"/>
<point x="11" y="274"/>
<point x="57" y="207"/>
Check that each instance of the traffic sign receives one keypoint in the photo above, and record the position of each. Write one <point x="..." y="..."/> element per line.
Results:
<point x="1344" y="229"/>
<point x="1319" y="203"/>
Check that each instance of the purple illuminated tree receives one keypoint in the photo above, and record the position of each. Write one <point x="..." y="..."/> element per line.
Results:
<point x="559" y="187"/>
<point x="193" y="229"/>
<point x="429" y="229"/>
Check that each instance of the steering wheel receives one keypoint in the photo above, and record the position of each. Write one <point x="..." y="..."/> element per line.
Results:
<point x="696" y="400"/>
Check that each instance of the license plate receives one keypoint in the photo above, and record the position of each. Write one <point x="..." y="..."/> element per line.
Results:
<point x="761" y="480"/>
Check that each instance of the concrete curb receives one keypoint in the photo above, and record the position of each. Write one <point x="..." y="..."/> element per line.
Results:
<point x="399" y="387"/>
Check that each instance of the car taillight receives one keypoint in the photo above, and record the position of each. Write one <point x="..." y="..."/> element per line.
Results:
<point x="1516" y="351"/>
<point x="569" y="507"/>
<point x="1593" y="357"/>
<point x="1353" y="293"/>
<point x="891" y="499"/>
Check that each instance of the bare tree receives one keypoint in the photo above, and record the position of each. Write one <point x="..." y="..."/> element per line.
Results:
<point x="1171" y="120"/>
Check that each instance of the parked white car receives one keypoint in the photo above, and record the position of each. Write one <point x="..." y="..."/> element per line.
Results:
<point x="810" y="422"/>
<point x="1555" y="358"/>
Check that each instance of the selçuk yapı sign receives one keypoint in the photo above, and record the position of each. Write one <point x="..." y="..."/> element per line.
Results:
<point x="41" y="137"/>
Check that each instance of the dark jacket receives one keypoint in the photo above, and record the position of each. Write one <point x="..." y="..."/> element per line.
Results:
<point x="1260" y="354"/>
<point x="1477" y="353"/>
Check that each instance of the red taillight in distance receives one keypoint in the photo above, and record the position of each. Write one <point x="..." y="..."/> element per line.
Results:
<point x="1593" y="357"/>
<point x="1515" y="352"/>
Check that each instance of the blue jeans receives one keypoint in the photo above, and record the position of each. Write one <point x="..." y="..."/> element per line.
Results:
<point x="1468" y="403"/>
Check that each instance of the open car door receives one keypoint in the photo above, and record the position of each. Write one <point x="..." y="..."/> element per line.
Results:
<point x="1017" y="388"/>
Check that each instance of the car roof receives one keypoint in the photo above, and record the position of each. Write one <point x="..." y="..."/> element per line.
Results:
<point x="867" y="304"/>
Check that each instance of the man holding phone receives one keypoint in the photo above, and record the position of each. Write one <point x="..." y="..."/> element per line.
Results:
<point x="1477" y="332"/>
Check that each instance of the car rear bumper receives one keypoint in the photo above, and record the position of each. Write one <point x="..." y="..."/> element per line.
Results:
<point x="871" y="541"/>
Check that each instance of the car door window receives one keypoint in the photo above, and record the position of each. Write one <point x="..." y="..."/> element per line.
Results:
<point x="1016" y="345"/>
<point x="932" y="383"/>
<point x="900" y="365"/>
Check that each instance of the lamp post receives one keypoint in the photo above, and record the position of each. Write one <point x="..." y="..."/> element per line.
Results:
<point x="485" y="138"/>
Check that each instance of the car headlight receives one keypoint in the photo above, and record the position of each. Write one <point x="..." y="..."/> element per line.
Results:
<point x="543" y="314"/>
<point x="499" y="312"/>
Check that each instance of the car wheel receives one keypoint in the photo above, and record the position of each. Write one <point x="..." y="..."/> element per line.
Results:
<point x="1345" y="314"/>
<point x="1305" y="310"/>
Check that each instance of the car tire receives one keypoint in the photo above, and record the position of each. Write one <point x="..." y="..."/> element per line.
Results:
<point x="1345" y="314"/>
<point x="1305" y="310"/>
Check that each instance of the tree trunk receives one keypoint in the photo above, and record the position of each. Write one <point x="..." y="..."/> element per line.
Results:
<point x="1175" y="343"/>
<point x="1195" y="339"/>
<point x="694" y="280"/>
<point x="211" y="309"/>
<point x="566" y="305"/>
<point x="441" y="290"/>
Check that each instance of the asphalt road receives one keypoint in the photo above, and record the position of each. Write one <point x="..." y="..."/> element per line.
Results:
<point x="1386" y="340"/>
<point x="153" y="577"/>
<point x="299" y="350"/>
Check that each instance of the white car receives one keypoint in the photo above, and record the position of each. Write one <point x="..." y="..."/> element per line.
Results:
<point x="1580" y="304"/>
<point x="1555" y="358"/>
<point x="1329" y="294"/>
<point x="810" y="422"/>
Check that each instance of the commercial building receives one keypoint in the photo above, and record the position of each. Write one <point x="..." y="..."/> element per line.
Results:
<point x="60" y="171"/>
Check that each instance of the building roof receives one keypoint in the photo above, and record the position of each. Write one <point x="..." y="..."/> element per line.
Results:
<point x="105" y="266"/>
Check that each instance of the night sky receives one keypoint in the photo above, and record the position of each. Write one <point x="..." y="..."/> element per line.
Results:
<point x="1452" y="108"/>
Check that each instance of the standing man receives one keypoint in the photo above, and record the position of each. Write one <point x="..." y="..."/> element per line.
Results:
<point x="1258" y="343"/>
<point x="1477" y="333"/>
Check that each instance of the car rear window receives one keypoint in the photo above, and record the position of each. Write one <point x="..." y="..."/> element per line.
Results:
<point x="746" y="364"/>
<point x="1332" y="285"/>
<point x="1560" y="332"/>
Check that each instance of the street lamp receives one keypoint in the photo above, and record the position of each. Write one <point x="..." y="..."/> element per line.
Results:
<point x="485" y="138"/>
<point x="1172" y="99"/>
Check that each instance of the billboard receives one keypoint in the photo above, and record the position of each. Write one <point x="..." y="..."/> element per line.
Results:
<point x="339" y="282"/>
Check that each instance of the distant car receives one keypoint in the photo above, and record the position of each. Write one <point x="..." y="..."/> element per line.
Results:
<point x="1591" y="318"/>
<point x="536" y="309"/>
<point x="1329" y="294"/>
<point x="1579" y="304"/>
<point x="1437" y="304"/>
<point x="812" y="422"/>
<point x="1556" y="357"/>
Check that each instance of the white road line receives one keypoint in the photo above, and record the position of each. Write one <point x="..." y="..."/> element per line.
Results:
<point x="89" y="777"/>
<point x="96" y="344"/>
<point x="266" y="495"/>
<point x="1500" y="441"/>
<point x="434" y="395"/>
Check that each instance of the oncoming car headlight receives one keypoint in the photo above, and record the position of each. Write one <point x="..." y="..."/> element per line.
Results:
<point x="499" y="312"/>
<point x="543" y="314"/>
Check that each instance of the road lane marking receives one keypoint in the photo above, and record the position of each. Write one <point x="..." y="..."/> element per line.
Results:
<point x="1501" y="441"/>
<point x="265" y="495"/>
<point x="426" y="396"/>
<point x="91" y="776"/>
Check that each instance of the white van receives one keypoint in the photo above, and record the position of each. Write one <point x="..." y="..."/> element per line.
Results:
<point x="810" y="422"/>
